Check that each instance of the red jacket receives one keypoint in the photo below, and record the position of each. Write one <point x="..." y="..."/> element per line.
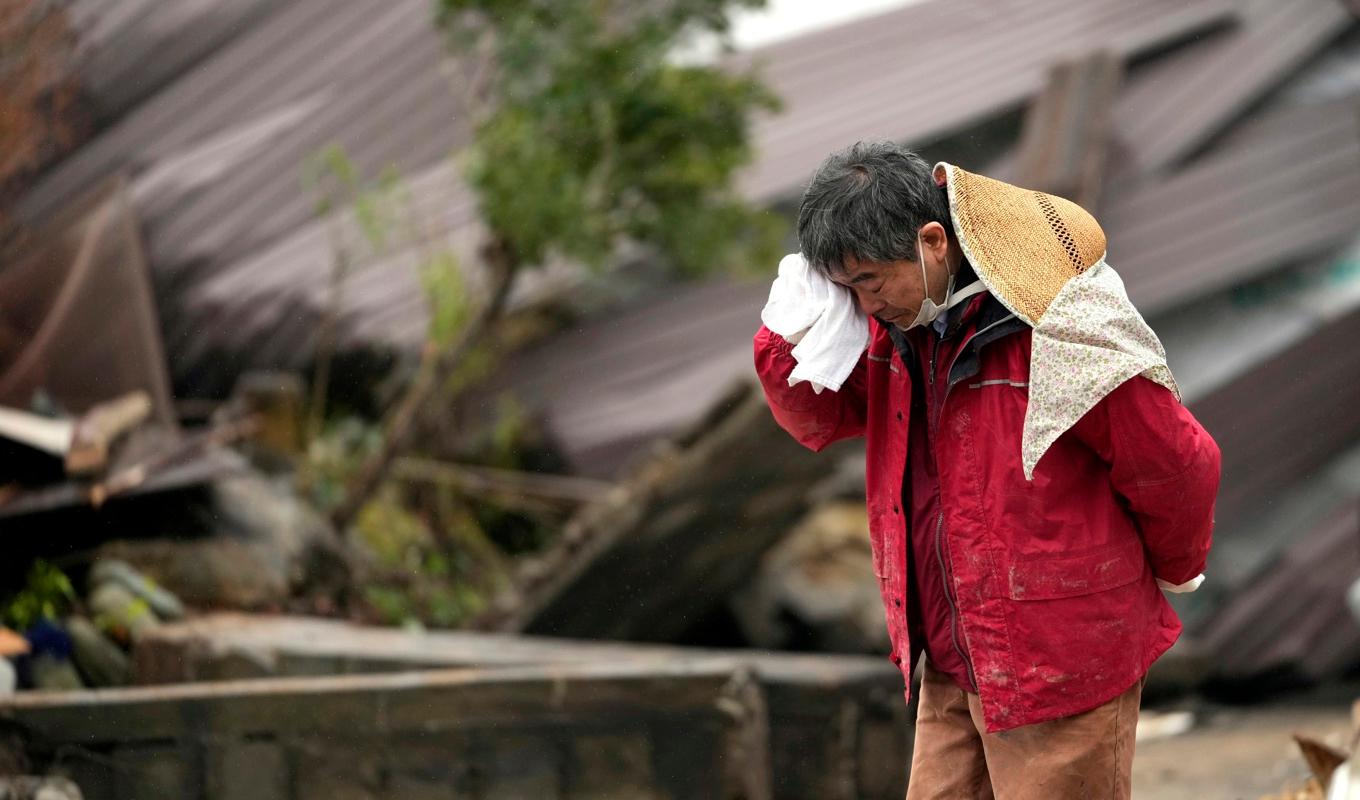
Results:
<point x="1052" y="582"/>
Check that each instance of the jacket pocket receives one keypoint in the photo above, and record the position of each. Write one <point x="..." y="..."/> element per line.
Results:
<point x="1051" y="577"/>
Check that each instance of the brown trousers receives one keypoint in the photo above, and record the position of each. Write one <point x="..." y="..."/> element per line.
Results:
<point x="1086" y="755"/>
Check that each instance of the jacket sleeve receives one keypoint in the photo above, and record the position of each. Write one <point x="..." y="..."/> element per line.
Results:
<point x="1165" y="465"/>
<point x="815" y="420"/>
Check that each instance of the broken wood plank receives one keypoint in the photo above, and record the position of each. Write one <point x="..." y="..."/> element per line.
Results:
<point x="97" y="429"/>
<point x="134" y="475"/>
<point x="51" y="436"/>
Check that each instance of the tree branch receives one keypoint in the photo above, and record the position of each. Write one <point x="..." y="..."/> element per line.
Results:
<point x="403" y="422"/>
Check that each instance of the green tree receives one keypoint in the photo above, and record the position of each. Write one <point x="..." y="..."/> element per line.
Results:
<point x="588" y="136"/>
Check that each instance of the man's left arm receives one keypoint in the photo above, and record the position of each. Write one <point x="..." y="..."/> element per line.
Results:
<point x="1165" y="465"/>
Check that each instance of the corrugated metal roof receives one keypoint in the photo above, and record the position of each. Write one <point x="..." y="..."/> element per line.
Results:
<point x="1292" y="620"/>
<point x="217" y="157"/>
<point x="233" y="134"/>
<point x="131" y="48"/>
<point x="609" y="387"/>
<point x="933" y="68"/>
<point x="1284" y="192"/>
<point x="1281" y="421"/>
<point x="1178" y="105"/>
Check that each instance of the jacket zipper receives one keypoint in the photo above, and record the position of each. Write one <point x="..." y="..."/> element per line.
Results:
<point x="939" y="499"/>
<point x="946" y="578"/>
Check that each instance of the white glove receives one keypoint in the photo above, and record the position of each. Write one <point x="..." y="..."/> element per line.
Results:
<point x="1189" y="586"/>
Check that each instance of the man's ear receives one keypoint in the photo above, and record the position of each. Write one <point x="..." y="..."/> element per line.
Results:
<point x="935" y="238"/>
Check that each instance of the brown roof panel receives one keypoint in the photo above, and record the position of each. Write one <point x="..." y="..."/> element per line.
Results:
<point x="217" y="156"/>
<point x="629" y="375"/>
<point x="1175" y="107"/>
<point x="901" y="76"/>
<point x="1282" y="420"/>
<point x="132" y="48"/>
<point x="1291" y="619"/>
<point x="227" y="143"/>
<point x="1284" y="195"/>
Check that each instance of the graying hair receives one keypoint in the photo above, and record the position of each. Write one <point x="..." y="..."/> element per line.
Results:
<point x="867" y="201"/>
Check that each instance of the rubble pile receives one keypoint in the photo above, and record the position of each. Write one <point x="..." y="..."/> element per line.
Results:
<point x="75" y="642"/>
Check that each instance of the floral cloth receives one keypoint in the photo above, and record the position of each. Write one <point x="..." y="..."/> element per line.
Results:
<point x="1089" y="341"/>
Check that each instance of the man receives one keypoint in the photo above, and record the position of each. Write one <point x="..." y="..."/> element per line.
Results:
<point x="1033" y="482"/>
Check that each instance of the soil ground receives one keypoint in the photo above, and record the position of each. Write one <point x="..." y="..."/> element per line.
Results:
<point x="1240" y="751"/>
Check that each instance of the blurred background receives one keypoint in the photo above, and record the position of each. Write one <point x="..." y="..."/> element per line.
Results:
<point x="377" y="415"/>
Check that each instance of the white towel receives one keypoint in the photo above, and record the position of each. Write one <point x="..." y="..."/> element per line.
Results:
<point x="821" y="318"/>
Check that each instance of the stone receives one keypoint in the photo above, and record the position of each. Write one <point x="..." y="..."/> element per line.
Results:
<point x="101" y="661"/>
<point x="120" y="613"/>
<point x="165" y="604"/>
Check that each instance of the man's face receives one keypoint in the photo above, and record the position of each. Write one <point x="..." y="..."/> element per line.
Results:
<point x="889" y="290"/>
<point x="892" y="291"/>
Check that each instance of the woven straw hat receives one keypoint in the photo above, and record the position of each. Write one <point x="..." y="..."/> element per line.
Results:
<point x="1025" y="245"/>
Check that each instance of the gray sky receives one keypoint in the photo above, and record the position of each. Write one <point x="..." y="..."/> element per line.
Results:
<point x="784" y="18"/>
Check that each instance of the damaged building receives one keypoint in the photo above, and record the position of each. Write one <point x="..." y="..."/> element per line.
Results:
<point x="176" y="249"/>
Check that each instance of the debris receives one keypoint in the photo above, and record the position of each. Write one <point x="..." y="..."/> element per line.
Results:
<point x="120" y="613"/>
<point x="1291" y="623"/>
<point x="256" y="544"/>
<point x="796" y="724"/>
<point x="529" y="490"/>
<point x="100" y="661"/>
<point x="651" y="558"/>
<point x="51" y="436"/>
<point x="1322" y="759"/>
<point x="1154" y="725"/>
<point x="134" y="475"/>
<point x="96" y="430"/>
<point x="53" y="673"/>
<point x="1331" y="767"/>
<point x="57" y="301"/>
<point x="12" y="644"/>
<point x="815" y="590"/>
<point x="1063" y="145"/>
<point x="276" y="399"/>
<point x="30" y="787"/>
<point x="109" y="570"/>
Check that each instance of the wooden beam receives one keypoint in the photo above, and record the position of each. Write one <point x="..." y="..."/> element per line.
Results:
<point x="1063" y="143"/>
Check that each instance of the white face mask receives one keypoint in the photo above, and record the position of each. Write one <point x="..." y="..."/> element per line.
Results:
<point x="929" y="310"/>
